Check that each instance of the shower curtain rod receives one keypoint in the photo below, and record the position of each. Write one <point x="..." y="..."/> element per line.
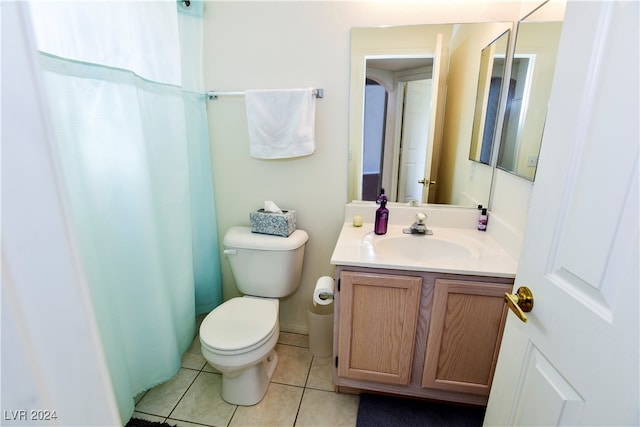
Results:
<point x="213" y="95"/>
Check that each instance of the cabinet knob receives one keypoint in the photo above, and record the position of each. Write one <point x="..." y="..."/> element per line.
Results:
<point x="521" y="302"/>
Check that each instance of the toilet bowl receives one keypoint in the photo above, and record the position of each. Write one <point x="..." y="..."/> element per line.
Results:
<point x="238" y="338"/>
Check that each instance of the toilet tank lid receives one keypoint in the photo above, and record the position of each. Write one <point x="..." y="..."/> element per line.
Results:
<point x="242" y="237"/>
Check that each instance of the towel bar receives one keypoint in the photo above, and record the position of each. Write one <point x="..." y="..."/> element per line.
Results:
<point x="213" y="95"/>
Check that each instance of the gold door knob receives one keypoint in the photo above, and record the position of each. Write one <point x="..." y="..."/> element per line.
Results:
<point x="521" y="302"/>
<point x="426" y="182"/>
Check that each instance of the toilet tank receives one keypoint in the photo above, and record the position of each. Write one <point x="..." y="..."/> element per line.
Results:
<point x="265" y="265"/>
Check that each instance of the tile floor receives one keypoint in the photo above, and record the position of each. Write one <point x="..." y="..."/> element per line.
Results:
<point x="300" y="394"/>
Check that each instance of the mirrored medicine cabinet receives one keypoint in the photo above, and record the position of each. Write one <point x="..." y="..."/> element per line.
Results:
<point x="485" y="116"/>
<point x="532" y="69"/>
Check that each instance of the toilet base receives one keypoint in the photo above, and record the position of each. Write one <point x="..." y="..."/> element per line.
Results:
<point x="248" y="387"/>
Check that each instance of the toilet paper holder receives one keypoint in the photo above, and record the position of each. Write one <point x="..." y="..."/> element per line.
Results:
<point x="325" y="296"/>
<point x="323" y="292"/>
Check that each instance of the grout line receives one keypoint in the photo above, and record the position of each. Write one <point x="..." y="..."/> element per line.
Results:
<point x="295" y="420"/>
<point x="233" y="415"/>
<point x="293" y="345"/>
<point x="320" y="389"/>
<point x="185" y="392"/>
<point x="169" y="420"/>
<point x="288" y="385"/>
<point x="148" y="413"/>
<point x="138" y="398"/>
<point x="304" y="390"/>
<point x="306" y="380"/>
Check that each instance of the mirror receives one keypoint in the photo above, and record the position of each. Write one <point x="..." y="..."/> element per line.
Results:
<point x="421" y="81"/>
<point x="532" y="69"/>
<point x="485" y="118"/>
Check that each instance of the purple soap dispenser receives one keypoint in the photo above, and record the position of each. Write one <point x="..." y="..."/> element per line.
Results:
<point x="382" y="217"/>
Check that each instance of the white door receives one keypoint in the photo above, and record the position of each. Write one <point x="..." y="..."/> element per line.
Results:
<point x="415" y="139"/>
<point x="575" y="362"/>
<point x="432" y="125"/>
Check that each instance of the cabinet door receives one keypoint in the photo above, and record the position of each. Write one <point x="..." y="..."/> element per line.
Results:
<point x="378" y="316"/>
<point x="467" y="321"/>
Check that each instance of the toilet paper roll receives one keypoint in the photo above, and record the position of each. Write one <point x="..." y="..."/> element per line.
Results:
<point x="323" y="293"/>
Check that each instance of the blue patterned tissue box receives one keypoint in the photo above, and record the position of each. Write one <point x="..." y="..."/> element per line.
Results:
<point x="277" y="224"/>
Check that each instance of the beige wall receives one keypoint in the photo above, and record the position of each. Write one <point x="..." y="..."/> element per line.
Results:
<point x="261" y="45"/>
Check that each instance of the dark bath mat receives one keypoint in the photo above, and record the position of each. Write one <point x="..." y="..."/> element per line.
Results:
<point x="388" y="411"/>
<point x="136" y="422"/>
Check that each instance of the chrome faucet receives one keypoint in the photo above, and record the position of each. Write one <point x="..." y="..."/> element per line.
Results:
<point x="420" y="226"/>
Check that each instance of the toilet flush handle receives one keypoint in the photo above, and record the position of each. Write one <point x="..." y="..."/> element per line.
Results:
<point x="230" y="252"/>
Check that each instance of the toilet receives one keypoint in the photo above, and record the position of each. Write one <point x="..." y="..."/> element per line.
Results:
<point x="238" y="337"/>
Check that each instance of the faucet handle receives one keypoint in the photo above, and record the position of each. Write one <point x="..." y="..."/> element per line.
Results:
<point x="421" y="217"/>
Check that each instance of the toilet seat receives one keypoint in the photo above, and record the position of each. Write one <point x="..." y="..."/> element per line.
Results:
<point x="240" y="325"/>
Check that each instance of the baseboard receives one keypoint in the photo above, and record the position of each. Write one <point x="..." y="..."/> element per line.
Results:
<point x="294" y="329"/>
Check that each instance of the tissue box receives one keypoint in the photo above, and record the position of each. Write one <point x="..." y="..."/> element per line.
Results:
<point x="277" y="224"/>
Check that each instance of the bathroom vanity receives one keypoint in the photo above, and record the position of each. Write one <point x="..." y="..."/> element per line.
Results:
<point x="420" y="315"/>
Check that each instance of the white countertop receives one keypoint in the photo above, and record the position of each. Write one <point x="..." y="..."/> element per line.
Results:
<point x="357" y="246"/>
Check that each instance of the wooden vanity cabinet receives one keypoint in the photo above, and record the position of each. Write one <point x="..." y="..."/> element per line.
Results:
<point x="467" y="321"/>
<point x="419" y="334"/>
<point x="377" y="326"/>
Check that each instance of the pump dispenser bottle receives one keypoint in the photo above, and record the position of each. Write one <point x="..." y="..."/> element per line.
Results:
<point x="482" y="220"/>
<point x="382" y="215"/>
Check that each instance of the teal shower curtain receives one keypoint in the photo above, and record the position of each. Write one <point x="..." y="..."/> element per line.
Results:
<point x="125" y="91"/>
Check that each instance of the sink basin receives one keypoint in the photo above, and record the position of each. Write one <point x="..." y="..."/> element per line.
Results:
<point x="419" y="247"/>
<point x="451" y="250"/>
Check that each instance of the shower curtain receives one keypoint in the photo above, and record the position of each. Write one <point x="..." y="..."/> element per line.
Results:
<point x="124" y="85"/>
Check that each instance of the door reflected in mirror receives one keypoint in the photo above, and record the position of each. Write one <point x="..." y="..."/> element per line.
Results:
<point x="397" y="115"/>
<point x="532" y="70"/>
<point x="485" y="118"/>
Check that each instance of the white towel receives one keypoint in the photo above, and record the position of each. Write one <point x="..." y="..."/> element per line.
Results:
<point x="281" y="123"/>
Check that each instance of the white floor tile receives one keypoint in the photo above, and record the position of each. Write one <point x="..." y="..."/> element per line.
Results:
<point x="162" y="399"/>
<point x="278" y="408"/>
<point x="193" y="358"/>
<point x="293" y="365"/>
<point x="321" y="374"/>
<point x="324" y="408"/>
<point x="192" y="397"/>
<point x="202" y="402"/>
